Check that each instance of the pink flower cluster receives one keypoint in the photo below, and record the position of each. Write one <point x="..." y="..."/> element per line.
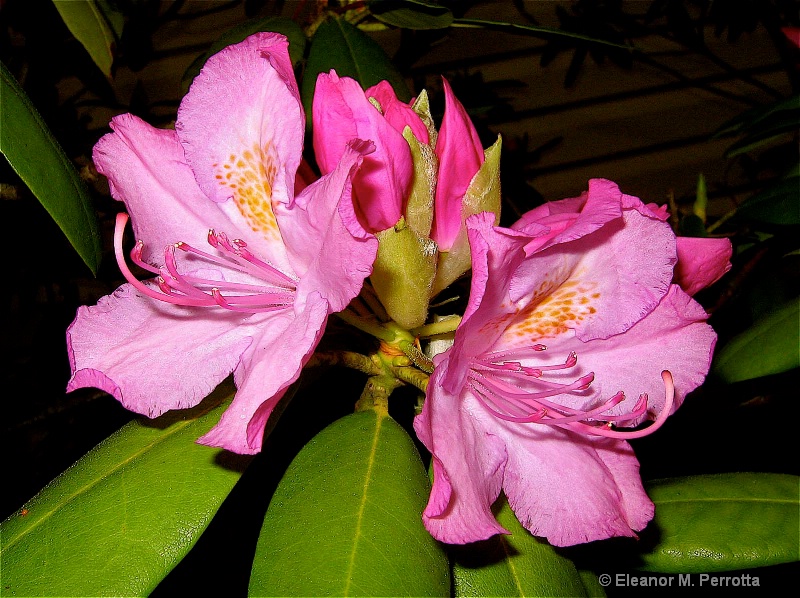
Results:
<point x="579" y="325"/>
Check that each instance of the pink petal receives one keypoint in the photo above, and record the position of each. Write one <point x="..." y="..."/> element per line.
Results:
<point x="496" y="254"/>
<point x="241" y="126"/>
<point x="270" y="365"/>
<point x="154" y="356"/>
<point x="146" y="169"/>
<point x="328" y="249"/>
<point x="701" y="262"/>
<point x="571" y="489"/>
<point x="460" y="154"/>
<point x="341" y="112"/>
<point x="673" y="337"/>
<point x="571" y="219"/>
<point x="467" y="468"/>
<point x="598" y="285"/>
<point x="398" y="114"/>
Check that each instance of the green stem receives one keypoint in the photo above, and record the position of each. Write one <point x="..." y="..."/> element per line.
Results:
<point x="417" y="357"/>
<point x="373" y="302"/>
<point x="349" y="359"/>
<point x="368" y="325"/>
<point x="412" y="376"/>
<point x="375" y="395"/>
<point x="722" y="220"/>
<point x="448" y="324"/>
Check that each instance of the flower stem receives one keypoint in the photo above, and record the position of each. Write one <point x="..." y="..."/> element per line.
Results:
<point x="368" y="325"/>
<point x="412" y="376"/>
<point x="371" y="299"/>
<point x="376" y="393"/>
<point x="448" y="324"/>
<point x="349" y="359"/>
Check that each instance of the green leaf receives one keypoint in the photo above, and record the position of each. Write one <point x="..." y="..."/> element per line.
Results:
<point x="95" y="25"/>
<point x="411" y="14"/>
<point x="345" y="519"/>
<point x="766" y="134"/>
<point x="38" y="159"/>
<point x="515" y="565"/>
<point x="701" y="199"/>
<point x="534" y="31"/>
<point x="777" y="204"/>
<point x="758" y="114"/>
<point x="116" y="522"/>
<point x="292" y="31"/>
<point x="691" y="225"/>
<point x="725" y="522"/>
<point x="770" y="346"/>
<point x="339" y="45"/>
<point x="591" y="583"/>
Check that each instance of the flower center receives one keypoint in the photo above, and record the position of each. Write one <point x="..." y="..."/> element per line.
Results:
<point x="502" y="387"/>
<point x="276" y="292"/>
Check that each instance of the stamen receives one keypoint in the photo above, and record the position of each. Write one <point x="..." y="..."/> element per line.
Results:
<point x="223" y="302"/>
<point x="493" y="382"/>
<point x="180" y="289"/>
<point x="236" y="250"/>
<point x="669" y="401"/>
<point x="119" y="229"/>
<point x="233" y="260"/>
<point x="136" y="256"/>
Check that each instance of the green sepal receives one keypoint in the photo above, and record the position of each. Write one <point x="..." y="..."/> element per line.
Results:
<point x="419" y="208"/>
<point x="345" y="519"/>
<point x="763" y="506"/>
<point x="519" y="564"/>
<point x="122" y="517"/>
<point x="403" y="273"/>
<point x="483" y="195"/>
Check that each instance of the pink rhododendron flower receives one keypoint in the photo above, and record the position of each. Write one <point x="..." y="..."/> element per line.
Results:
<point x="415" y="192"/>
<point x="342" y="111"/>
<point x="246" y="273"/>
<point x="573" y="326"/>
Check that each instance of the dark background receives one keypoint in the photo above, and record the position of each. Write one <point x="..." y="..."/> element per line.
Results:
<point x="567" y="113"/>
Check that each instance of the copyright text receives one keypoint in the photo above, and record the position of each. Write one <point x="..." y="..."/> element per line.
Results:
<point x="677" y="580"/>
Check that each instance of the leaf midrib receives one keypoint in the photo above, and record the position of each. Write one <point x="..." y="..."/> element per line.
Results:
<point x="176" y="427"/>
<point x="362" y="505"/>
<point x="512" y="569"/>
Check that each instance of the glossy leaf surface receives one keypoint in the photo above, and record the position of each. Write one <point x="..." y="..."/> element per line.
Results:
<point x="38" y="159"/>
<point x="411" y="14"/>
<point x="116" y="522"/>
<point x="346" y="518"/>
<point x="352" y="53"/>
<point x="769" y="346"/>
<point x="515" y="565"/>
<point x="725" y="522"/>
<point x="777" y="204"/>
